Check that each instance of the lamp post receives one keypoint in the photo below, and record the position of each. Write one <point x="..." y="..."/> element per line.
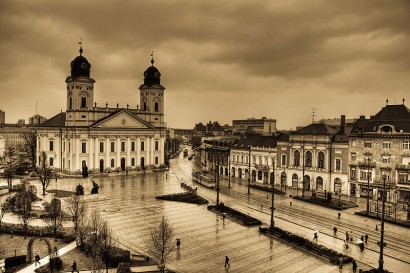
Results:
<point x="249" y="176"/>
<point x="368" y="161"/>
<point x="382" y="227"/>
<point x="272" y="221"/>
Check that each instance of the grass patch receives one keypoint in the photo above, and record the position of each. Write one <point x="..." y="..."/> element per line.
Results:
<point x="61" y="193"/>
<point x="404" y="223"/>
<point x="186" y="197"/>
<point x="333" y="203"/>
<point x="236" y="215"/>
<point x="262" y="188"/>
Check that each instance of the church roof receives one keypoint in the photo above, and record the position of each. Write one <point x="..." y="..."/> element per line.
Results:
<point x="255" y="141"/>
<point x="393" y="112"/>
<point x="316" y="129"/>
<point x="56" y="121"/>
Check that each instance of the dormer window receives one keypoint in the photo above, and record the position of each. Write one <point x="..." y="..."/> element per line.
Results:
<point x="386" y="129"/>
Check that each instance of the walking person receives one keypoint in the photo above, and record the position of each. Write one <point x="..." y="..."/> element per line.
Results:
<point x="37" y="258"/>
<point x="334" y="231"/>
<point x="340" y="261"/>
<point x="227" y="261"/>
<point x="351" y="236"/>
<point x="178" y="243"/>
<point x="366" y="237"/>
<point x="354" y="265"/>
<point x="74" y="267"/>
<point x="347" y="236"/>
<point x="338" y="215"/>
<point x="315" y="235"/>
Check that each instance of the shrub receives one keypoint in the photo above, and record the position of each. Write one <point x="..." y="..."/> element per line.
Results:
<point x="15" y="261"/>
<point x="119" y="256"/>
<point x="56" y="263"/>
<point x="68" y="237"/>
<point x="123" y="268"/>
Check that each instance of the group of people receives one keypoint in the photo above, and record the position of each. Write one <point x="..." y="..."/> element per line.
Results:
<point x="361" y="241"/>
<point x="341" y="261"/>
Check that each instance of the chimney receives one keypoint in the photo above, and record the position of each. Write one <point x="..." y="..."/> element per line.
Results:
<point x="342" y="123"/>
<point x="362" y="117"/>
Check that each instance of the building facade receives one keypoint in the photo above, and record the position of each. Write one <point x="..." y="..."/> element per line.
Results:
<point x="380" y="146"/>
<point x="263" y="126"/>
<point x="105" y="139"/>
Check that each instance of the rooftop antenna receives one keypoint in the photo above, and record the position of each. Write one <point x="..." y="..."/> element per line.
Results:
<point x="36" y="108"/>
<point x="403" y="101"/>
<point x="152" y="58"/>
<point x="387" y="101"/>
<point x="314" y="112"/>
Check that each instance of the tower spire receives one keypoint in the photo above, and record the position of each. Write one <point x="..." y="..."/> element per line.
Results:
<point x="152" y="58"/>
<point x="81" y="46"/>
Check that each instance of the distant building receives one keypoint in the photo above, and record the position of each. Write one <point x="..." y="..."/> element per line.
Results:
<point x="36" y="119"/>
<point x="2" y="117"/>
<point x="21" y="122"/>
<point x="210" y="129"/>
<point x="380" y="146"/>
<point x="2" y="146"/>
<point x="263" y="126"/>
<point x="13" y="134"/>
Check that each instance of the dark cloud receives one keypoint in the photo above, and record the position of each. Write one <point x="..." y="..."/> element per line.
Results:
<point x="245" y="57"/>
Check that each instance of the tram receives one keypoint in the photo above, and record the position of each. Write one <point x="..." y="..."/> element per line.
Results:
<point x="202" y="179"/>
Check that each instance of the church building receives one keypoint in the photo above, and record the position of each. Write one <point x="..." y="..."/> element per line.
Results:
<point x="105" y="139"/>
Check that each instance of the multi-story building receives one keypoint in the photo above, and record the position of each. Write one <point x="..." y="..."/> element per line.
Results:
<point x="317" y="158"/>
<point x="36" y="119"/>
<point x="380" y="146"/>
<point x="14" y="134"/>
<point x="2" y="117"/>
<point x="105" y="138"/>
<point x="2" y="146"/>
<point x="263" y="126"/>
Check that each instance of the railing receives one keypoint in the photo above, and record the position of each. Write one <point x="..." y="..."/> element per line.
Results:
<point x="402" y="167"/>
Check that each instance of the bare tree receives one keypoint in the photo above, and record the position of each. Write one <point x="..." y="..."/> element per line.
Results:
<point x="29" y="148"/>
<point x="162" y="242"/>
<point x="77" y="209"/>
<point x="44" y="171"/>
<point x="55" y="218"/>
<point x="24" y="215"/>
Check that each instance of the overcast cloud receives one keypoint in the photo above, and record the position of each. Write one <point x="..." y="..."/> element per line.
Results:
<point x="219" y="60"/>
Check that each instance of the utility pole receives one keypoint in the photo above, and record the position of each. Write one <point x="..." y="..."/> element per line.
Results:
<point x="272" y="221"/>
<point x="368" y="161"/>
<point x="313" y="114"/>
<point x="382" y="227"/>
<point x="303" y="166"/>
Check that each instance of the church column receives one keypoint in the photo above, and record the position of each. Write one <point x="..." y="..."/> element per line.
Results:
<point x="96" y="151"/>
<point x="77" y="153"/>
<point x="118" y="161"/>
<point x="138" y="151"/>
<point x="90" y="152"/>
<point x="107" y="153"/>
<point x="147" y="151"/>
<point x="128" y="149"/>
<point x="162" y="153"/>
<point x="152" y="150"/>
<point x="70" y="154"/>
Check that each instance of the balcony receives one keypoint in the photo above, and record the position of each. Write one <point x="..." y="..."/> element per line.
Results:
<point x="402" y="167"/>
<point x="364" y="164"/>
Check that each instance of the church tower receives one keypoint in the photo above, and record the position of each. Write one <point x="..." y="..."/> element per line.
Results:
<point x="152" y="96"/>
<point x="80" y="92"/>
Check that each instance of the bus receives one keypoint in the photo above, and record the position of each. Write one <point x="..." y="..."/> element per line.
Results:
<point x="202" y="179"/>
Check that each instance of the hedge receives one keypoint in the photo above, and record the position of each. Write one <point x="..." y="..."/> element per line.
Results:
<point x="259" y="187"/>
<point x="334" y="203"/>
<point x="15" y="261"/>
<point x="404" y="223"/>
<point x="186" y="197"/>
<point x="330" y="254"/>
<point x="237" y="215"/>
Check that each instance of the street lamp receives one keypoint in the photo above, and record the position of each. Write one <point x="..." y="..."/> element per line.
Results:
<point x="368" y="161"/>
<point x="249" y="176"/>
<point x="272" y="221"/>
<point x="382" y="227"/>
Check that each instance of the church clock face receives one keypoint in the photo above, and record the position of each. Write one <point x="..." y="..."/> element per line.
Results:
<point x="83" y="65"/>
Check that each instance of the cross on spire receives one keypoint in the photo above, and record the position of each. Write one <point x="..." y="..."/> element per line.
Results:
<point x="152" y="58"/>
<point x="81" y="46"/>
<point x="403" y="101"/>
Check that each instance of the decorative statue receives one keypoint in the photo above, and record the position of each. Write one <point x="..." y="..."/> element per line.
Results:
<point x="79" y="190"/>
<point x="95" y="188"/>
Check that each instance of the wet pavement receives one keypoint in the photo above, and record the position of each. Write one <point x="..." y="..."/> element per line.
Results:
<point x="128" y="204"/>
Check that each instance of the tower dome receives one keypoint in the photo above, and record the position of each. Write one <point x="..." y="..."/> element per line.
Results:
<point x="152" y="75"/>
<point x="80" y="66"/>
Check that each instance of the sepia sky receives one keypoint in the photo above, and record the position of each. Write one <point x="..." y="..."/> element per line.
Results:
<point x="219" y="60"/>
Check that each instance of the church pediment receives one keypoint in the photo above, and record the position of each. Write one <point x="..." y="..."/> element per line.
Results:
<point x="122" y="120"/>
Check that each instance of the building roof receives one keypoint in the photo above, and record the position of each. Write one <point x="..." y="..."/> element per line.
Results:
<point x="255" y="141"/>
<point x="316" y="129"/>
<point x="56" y="121"/>
<point x="393" y="112"/>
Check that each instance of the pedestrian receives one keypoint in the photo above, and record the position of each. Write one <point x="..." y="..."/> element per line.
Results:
<point x="74" y="267"/>
<point x="354" y="266"/>
<point x="347" y="236"/>
<point x="351" y="236"/>
<point x="338" y="215"/>
<point x="366" y="237"/>
<point x="166" y="176"/>
<point x="262" y="207"/>
<point x="334" y="231"/>
<point x="37" y="258"/>
<point x="267" y="196"/>
<point x="227" y="261"/>
<point x="178" y="243"/>
<point x="290" y="204"/>
<point x="285" y="187"/>
<point x="340" y="261"/>
<point x="315" y="236"/>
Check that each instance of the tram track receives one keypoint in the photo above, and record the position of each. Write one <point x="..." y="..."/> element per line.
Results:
<point x="396" y="246"/>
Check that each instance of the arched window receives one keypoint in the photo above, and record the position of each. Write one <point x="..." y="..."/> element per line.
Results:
<point x="296" y="158"/>
<point x="319" y="183"/>
<point x="112" y="163"/>
<point x="259" y="175"/>
<point x="295" y="180"/>
<point x="83" y="102"/>
<point x="156" y="160"/>
<point x="338" y="185"/>
<point x="51" y="162"/>
<point x="132" y="161"/>
<point x="308" y="161"/>
<point x="71" y="103"/>
<point x="321" y="160"/>
<point x="156" y="108"/>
